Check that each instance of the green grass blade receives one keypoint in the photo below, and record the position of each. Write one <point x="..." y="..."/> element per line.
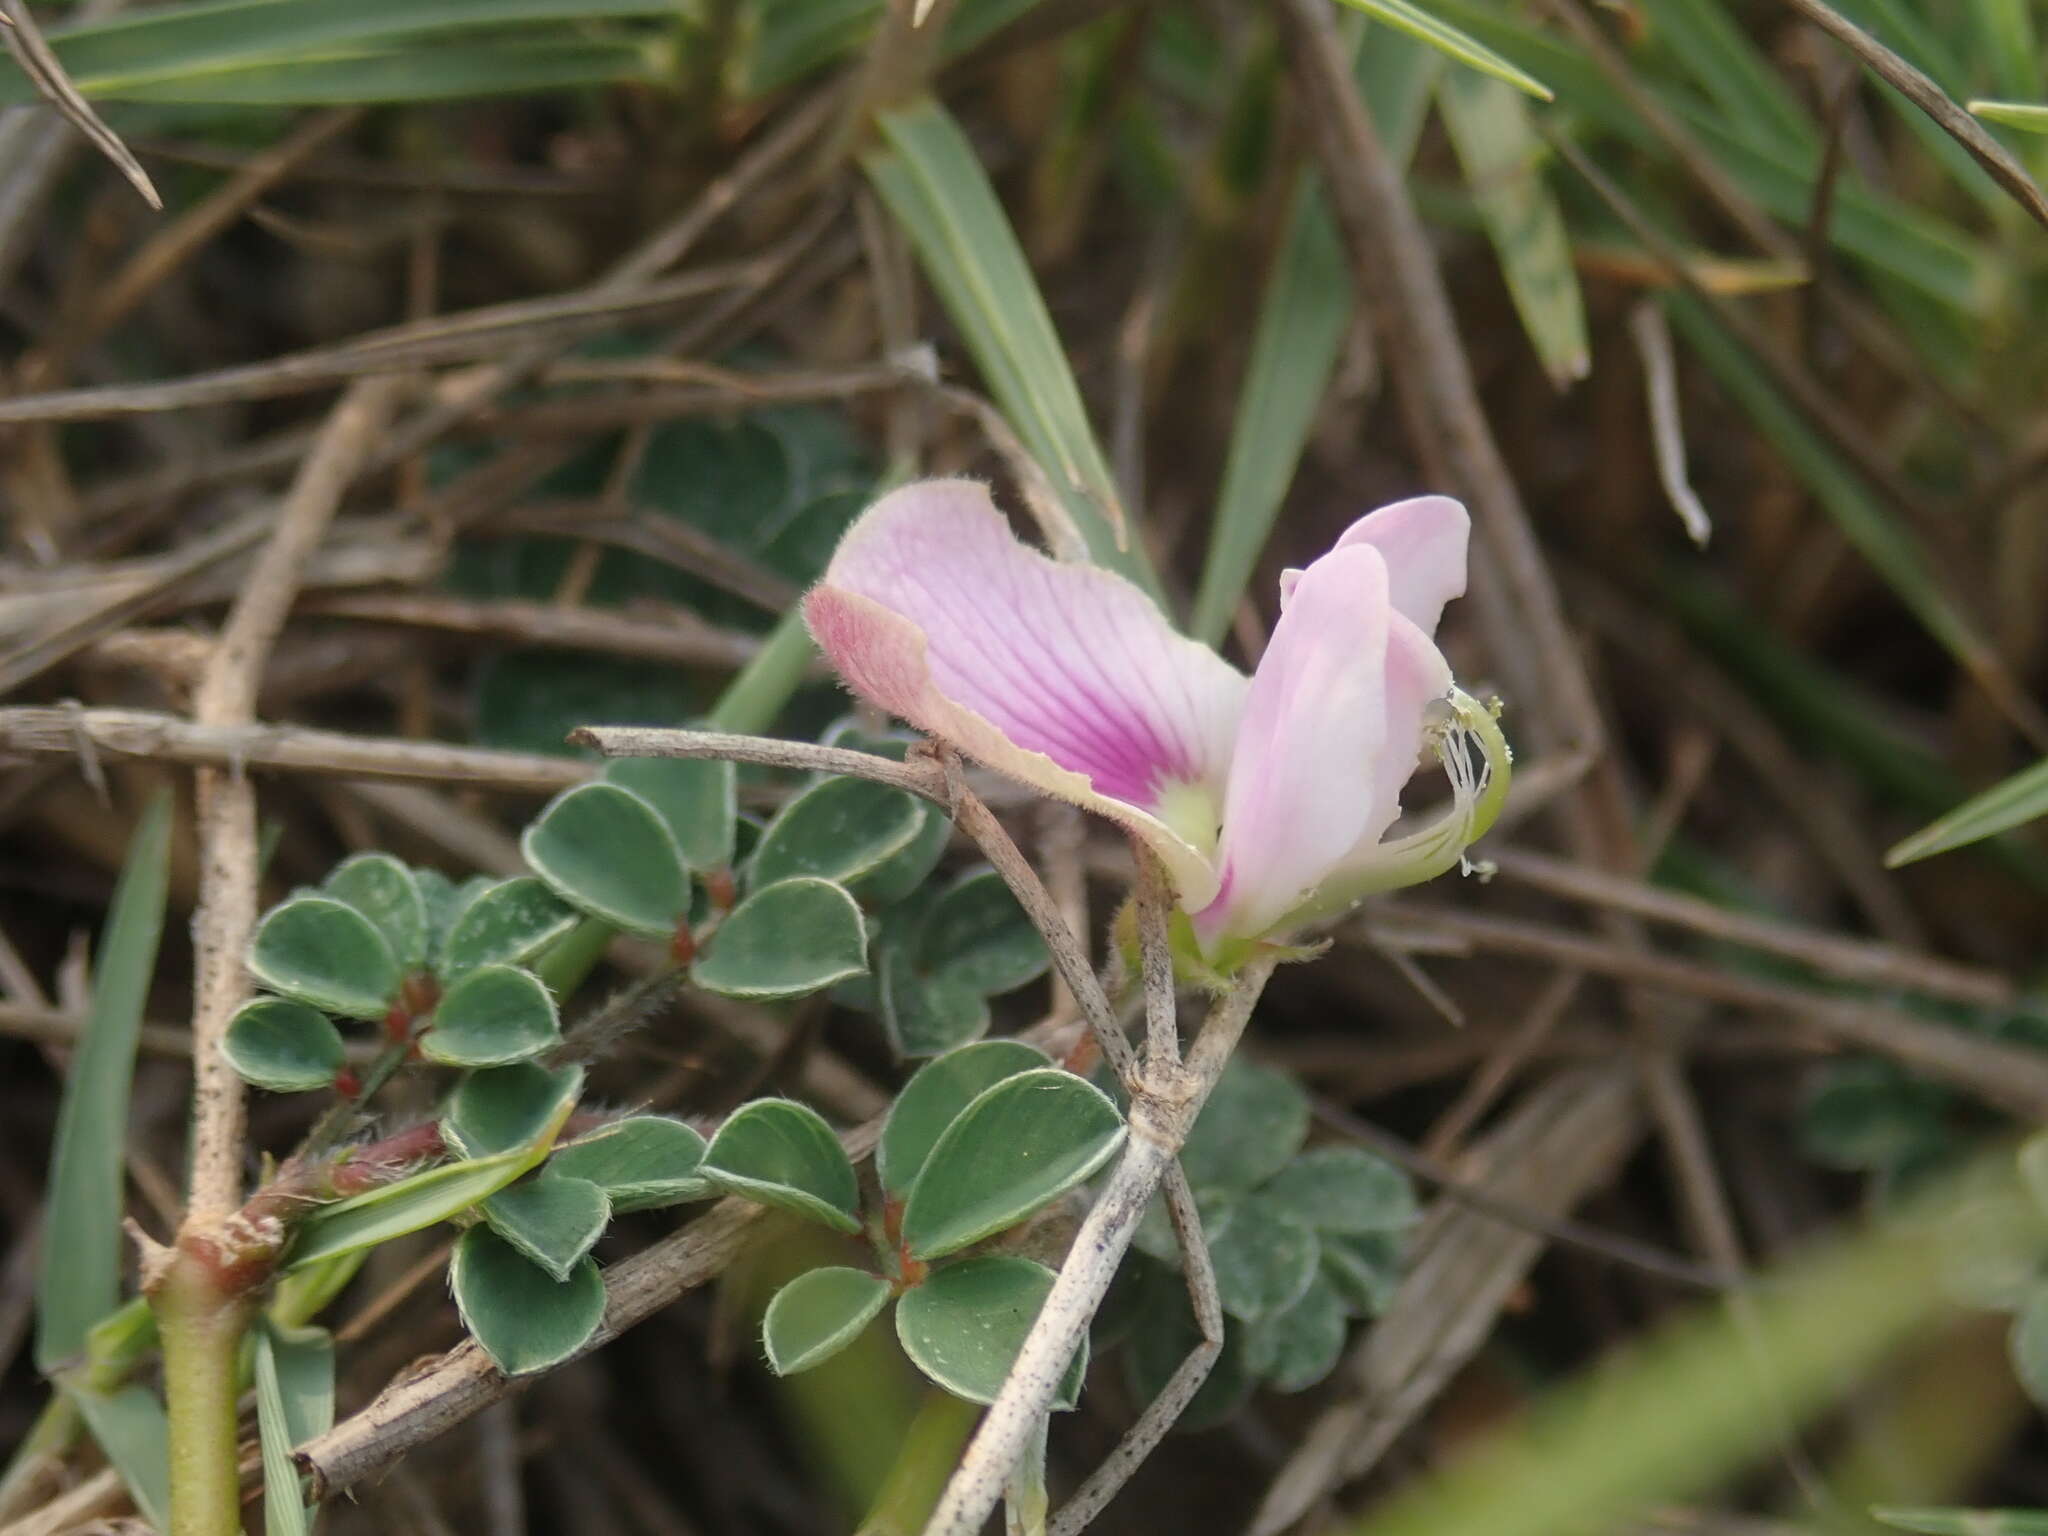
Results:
<point x="1704" y="39"/>
<point x="2027" y="116"/>
<point x="1876" y="533"/>
<point x="294" y="1402"/>
<point x="437" y="71"/>
<point x="78" y="1273"/>
<point x="2007" y="40"/>
<point x="1689" y="1408"/>
<point x="130" y="1426"/>
<point x="1462" y="46"/>
<point x="1303" y="317"/>
<point x="1396" y="75"/>
<point x="1302" y="323"/>
<point x="171" y="41"/>
<point x="1967" y="1522"/>
<point x="937" y="190"/>
<point x="1503" y="156"/>
<point x="1884" y="235"/>
<point x="2017" y="800"/>
<point x="788" y="41"/>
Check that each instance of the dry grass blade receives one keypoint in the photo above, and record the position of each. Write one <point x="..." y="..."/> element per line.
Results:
<point x="480" y="333"/>
<point x="41" y="65"/>
<point x="2012" y="1077"/>
<point x="2002" y="165"/>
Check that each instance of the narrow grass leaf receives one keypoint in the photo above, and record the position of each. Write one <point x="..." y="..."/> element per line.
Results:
<point x="1502" y="156"/>
<point x="1462" y="46"/>
<point x="1703" y="38"/>
<point x="1688" y="1409"/>
<point x="2007" y="40"/>
<point x="430" y="71"/>
<point x="165" y="42"/>
<point x="2019" y="799"/>
<point x="1302" y="322"/>
<point x="1967" y="1522"/>
<point x="2027" y="116"/>
<point x="78" y="1270"/>
<point x="420" y="1201"/>
<point x="129" y="1425"/>
<point x="294" y="1401"/>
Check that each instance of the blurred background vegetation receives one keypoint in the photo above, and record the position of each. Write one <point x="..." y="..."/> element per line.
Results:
<point x="1735" y="349"/>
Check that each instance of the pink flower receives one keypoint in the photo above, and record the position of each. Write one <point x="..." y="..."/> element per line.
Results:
<point x="1267" y="798"/>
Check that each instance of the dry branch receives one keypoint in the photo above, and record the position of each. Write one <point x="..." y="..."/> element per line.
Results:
<point x="226" y="696"/>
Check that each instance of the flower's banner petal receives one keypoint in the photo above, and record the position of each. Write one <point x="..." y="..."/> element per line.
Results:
<point x="1062" y="675"/>
<point x="1314" y="728"/>
<point x="1423" y="540"/>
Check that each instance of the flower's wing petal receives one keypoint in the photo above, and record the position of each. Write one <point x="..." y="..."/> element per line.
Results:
<point x="1423" y="541"/>
<point x="1063" y="675"/>
<point x="1313" y="735"/>
<point x="1417" y="675"/>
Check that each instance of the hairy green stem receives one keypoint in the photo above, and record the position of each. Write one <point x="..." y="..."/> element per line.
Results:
<point x="201" y="1324"/>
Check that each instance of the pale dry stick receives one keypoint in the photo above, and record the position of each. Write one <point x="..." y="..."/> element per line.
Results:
<point x="40" y="63"/>
<point x="1164" y="1411"/>
<point x="1612" y="1246"/>
<point x="1062" y="838"/>
<point x="150" y="736"/>
<point x="226" y="696"/>
<point x="1502" y="1065"/>
<point x="677" y="637"/>
<point x="90" y="617"/>
<point x="100" y="1494"/>
<point x="1154" y="903"/>
<point x="58" y="1026"/>
<point x="1163" y="1110"/>
<point x="2012" y="1078"/>
<point x="1864" y="962"/>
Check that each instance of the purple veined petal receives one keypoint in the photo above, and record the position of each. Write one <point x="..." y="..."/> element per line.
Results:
<point x="1423" y="540"/>
<point x="1313" y="734"/>
<point x="1064" y="676"/>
